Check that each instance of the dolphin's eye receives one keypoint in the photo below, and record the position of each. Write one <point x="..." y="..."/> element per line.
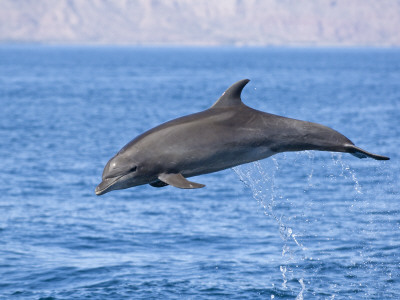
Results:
<point x="133" y="169"/>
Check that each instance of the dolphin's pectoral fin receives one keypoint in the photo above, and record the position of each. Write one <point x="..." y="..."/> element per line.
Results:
<point x="158" y="184"/>
<point x="361" y="153"/>
<point x="177" y="180"/>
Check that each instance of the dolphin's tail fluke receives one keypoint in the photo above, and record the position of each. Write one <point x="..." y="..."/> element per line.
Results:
<point x="360" y="153"/>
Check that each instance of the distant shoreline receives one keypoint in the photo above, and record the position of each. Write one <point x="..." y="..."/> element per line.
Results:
<point x="189" y="46"/>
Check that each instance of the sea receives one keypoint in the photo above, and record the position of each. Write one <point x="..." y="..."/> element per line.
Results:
<point x="299" y="225"/>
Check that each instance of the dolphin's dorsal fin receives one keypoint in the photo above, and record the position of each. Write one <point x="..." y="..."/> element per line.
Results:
<point x="231" y="96"/>
<point x="177" y="180"/>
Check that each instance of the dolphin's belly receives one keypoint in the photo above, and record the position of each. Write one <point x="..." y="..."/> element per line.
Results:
<point x="243" y="157"/>
<point x="231" y="157"/>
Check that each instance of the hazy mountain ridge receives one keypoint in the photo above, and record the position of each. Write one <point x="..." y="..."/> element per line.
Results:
<point x="206" y="22"/>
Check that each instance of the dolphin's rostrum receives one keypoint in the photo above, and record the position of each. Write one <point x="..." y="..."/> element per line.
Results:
<point x="226" y="135"/>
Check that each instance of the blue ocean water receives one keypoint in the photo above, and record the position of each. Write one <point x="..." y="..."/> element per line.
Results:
<point x="309" y="225"/>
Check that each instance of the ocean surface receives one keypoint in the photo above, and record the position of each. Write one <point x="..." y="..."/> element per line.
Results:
<point x="307" y="225"/>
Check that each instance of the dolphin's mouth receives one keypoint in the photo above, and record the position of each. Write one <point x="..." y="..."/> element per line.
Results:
<point x="105" y="185"/>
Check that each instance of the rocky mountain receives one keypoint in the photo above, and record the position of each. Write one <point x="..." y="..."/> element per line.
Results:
<point x="202" y="22"/>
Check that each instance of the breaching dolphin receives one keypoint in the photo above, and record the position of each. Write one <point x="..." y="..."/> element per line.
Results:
<point x="227" y="134"/>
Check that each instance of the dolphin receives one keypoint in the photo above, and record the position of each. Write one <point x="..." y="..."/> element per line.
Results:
<point x="227" y="134"/>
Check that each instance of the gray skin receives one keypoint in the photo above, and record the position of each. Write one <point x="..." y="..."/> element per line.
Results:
<point x="226" y="135"/>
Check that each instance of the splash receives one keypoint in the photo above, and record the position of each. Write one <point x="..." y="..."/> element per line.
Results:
<point x="262" y="185"/>
<point x="346" y="171"/>
<point x="264" y="191"/>
<point x="263" y="179"/>
<point x="303" y="287"/>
